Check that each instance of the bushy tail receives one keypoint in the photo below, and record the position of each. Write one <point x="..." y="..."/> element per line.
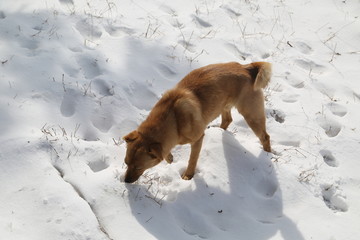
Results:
<point x="261" y="74"/>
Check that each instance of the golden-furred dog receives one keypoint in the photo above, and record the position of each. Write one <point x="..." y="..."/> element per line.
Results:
<point x="183" y="113"/>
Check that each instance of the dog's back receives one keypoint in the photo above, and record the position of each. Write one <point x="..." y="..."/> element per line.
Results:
<point x="222" y="86"/>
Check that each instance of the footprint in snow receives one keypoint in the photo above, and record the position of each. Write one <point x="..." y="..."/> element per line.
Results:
<point x="333" y="198"/>
<point x="231" y="12"/>
<point x="266" y="187"/>
<point x="290" y="143"/>
<point x="66" y="1"/>
<point x="98" y="165"/>
<point x="69" y="103"/>
<point x="192" y="223"/>
<point x="200" y="22"/>
<point x="102" y="119"/>
<point x="337" y="109"/>
<point x="30" y="44"/>
<point x="232" y="48"/>
<point x="294" y="81"/>
<point x="329" y="159"/>
<point x="303" y="47"/>
<point x="117" y="31"/>
<point x="2" y="15"/>
<point x="187" y="45"/>
<point x="136" y="89"/>
<point x="331" y="127"/>
<point x="310" y="66"/>
<point x="278" y="115"/>
<point x="167" y="9"/>
<point x="89" y="66"/>
<point x="166" y="70"/>
<point x="71" y="70"/>
<point x="290" y="98"/>
<point x="102" y="88"/>
<point x="88" y="30"/>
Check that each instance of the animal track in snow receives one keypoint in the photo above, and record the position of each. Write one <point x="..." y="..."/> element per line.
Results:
<point x="88" y="30"/>
<point x="102" y="88"/>
<point x="165" y="70"/>
<point x="333" y="198"/>
<point x="187" y="45"/>
<point x="2" y="15"/>
<point x="293" y="81"/>
<point x="70" y="70"/>
<point x="289" y="98"/>
<point x="356" y="94"/>
<point x="89" y="67"/>
<point x="138" y="89"/>
<point x="278" y="115"/>
<point x="167" y="9"/>
<point x="197" y="227"/>
<point x="66" y="1"/>
<point x="329" y="159"/>
<point x="236" y="51"/>
<point x="117" y="31"/>
<point x="102" y="118"/>
<point x="265" y="55"/>
<point x="98" y="165"/>
<point x="337" y="109"/>
<point x="310" y="66"/>
<point x="303" y="47"/>
<point x="291" y="143"/>
<point x="267" y="187"/>
<point x="331" y="127"/>
<point x="231" y="12"/>
<point x="201" y="23"/>
<point x="69" y="102"/>
<point x="29" y="44"/>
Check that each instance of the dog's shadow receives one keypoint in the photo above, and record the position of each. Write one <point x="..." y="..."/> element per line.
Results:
<point x="252" y="196"/>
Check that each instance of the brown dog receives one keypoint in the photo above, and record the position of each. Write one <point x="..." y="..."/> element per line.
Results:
<point x="183" y="113"/>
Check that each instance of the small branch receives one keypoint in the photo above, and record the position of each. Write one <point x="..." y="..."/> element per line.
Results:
<point x="148" y="220"/>
<point x="158" y="201"/>
<point x="63" y="83"/>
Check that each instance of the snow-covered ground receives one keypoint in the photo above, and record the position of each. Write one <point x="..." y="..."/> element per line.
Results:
<point x="76" y="76"/>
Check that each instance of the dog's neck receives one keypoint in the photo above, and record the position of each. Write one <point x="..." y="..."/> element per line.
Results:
<point x="161" y="131"/>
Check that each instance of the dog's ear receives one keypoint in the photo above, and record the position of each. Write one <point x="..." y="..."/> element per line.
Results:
<point x="155" y="150"/>
<point x="131" y="136"/>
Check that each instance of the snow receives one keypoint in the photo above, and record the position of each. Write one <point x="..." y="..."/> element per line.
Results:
<point x="76" y="76"/>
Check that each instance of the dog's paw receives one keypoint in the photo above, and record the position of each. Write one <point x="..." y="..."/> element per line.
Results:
<point x="187" y="176"/>
<point x="169" y="159"/>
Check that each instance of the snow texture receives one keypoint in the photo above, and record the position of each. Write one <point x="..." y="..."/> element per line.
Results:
<point x="76" y="76"/>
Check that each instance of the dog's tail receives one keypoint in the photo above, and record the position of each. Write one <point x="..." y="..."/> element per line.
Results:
<point x="260" y="73"/>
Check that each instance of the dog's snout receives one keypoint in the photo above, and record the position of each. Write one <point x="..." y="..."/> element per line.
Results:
<point x="131" y="176"/>
<point x="129" y="180"/>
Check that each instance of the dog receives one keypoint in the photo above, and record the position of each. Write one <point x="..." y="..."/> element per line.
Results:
<point x="183" y="113"/>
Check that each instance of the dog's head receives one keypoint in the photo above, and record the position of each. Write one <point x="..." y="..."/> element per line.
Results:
<point x="141" y="154"/>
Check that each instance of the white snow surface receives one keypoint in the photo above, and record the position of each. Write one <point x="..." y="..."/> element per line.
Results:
<point x="77" y="75"/>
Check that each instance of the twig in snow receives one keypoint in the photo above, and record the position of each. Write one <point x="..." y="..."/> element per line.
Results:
<point x="63" y="83"/>
<point x="148" y="220"/>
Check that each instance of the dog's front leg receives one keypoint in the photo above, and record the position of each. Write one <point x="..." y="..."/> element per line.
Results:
<point x="194" y="155"/>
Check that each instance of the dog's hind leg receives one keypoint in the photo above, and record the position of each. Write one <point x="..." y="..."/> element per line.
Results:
<point x="194" y="155"/>
<point x="258" y="127"/>
<point x="254" y="114"/>
<point x="226" y="119"/>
